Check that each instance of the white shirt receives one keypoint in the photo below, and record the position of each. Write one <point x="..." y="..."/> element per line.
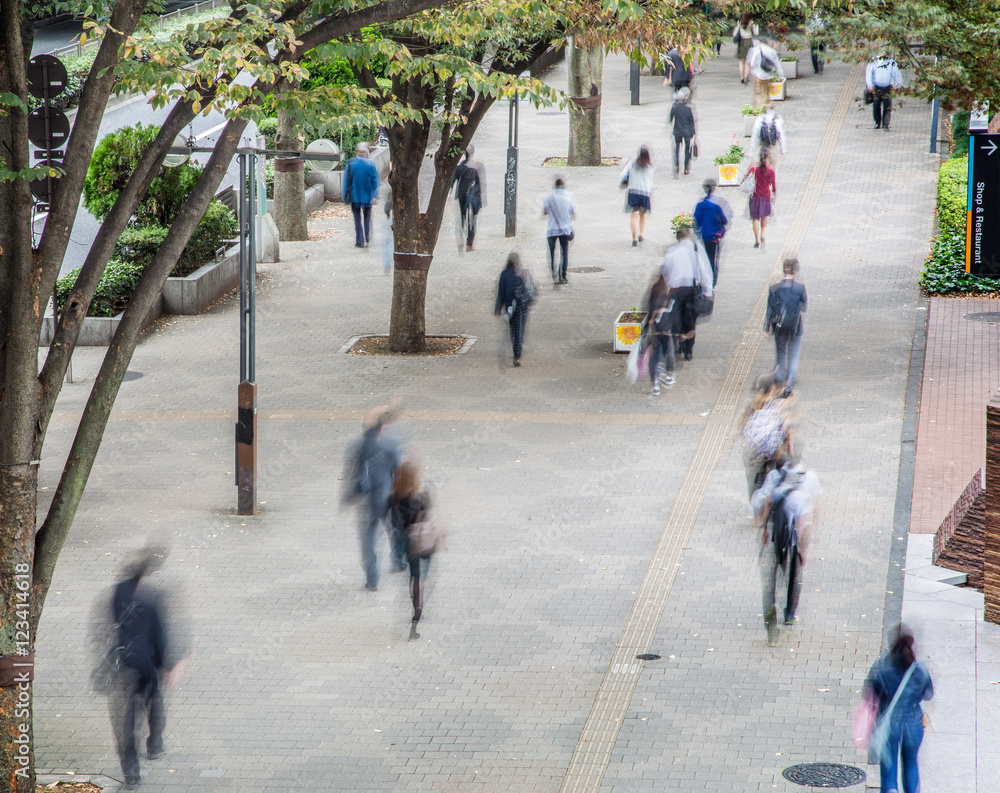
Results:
<point x="685" y="263"/>
<point x="640" y="180"/>
<point x="757" y="54"/>
<point x="560" y="208"/>
<point x="883" y="73"/>
<point x="779" y="125"/>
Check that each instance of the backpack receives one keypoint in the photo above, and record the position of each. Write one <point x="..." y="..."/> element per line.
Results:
<point x="767" y="65"/>
<point x="786" y="314"/>
<point x="525" y="290"/>
<point x="782" y="532"/>
<point x="763" y="432"/>
<point x="769" y="133"/>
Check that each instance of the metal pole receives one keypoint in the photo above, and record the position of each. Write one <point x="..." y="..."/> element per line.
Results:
<point x="246" y="396"/>
<point x="510" y="180"/>
<point x="934" y="125"/>
<point x="252" y="279"/>
<point x="244" y="219"/>
<point x="633" y="81"/>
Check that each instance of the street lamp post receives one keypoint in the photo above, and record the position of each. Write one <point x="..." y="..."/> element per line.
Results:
<point x="510" y="180"/>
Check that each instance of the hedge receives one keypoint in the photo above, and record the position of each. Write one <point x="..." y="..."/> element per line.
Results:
<point x="952" y="188"/>
<point x="113" y="292"/>
<point x="960" y="133"/>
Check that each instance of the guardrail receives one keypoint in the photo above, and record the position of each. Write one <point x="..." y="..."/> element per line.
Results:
<point x="79" y="49"/>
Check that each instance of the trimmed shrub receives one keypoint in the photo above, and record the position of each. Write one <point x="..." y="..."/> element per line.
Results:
<point x="268" y="127"/>
<point x="952" y="189"/>
<point x="114" y="160"/>
<point x="960" y="133"/>
<point x="113" y="292"/>
<point x="216" y="226"/>
<point x="138" y="245"/>
<point x="945" y="273"/>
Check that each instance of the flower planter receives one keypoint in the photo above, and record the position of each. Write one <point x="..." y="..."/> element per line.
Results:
<point x="748" y="122"/>
<point x="776" y="91"/>
<point x="790" y="68"/>
<point x="729" y="175"/>
<point x="628" y="328"/>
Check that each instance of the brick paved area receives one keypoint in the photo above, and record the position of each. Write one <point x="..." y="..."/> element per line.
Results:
<point x="555" y="480"/>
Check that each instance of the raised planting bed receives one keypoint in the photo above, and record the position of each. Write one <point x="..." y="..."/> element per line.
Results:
<point x="196" y="292"/>
<point x="628" y="328"/>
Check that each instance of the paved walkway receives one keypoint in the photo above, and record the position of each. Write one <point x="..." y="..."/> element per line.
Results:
<point x="565" y="490"/>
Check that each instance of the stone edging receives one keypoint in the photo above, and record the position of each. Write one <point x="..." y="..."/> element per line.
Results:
<point x="469" y="341"/>
<point x="105" y="782"/>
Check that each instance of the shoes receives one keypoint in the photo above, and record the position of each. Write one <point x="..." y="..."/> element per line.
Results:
<point x="885" y="127"/>
<point x="469" y="247"/>
<point x="371" y="587"/>
<point x="792" y="619"/>
<point x="771" y="624"/>
<point x="878" y="126"/>
<point x="131" y="783"/>
<point x="517" y="362"/>
<point x="787" y="392"/>
<point x="756" y="244"/>
<point x="358" y="246"/>
<point x="564" y="281"/>
<point x="688" y="356"/>
<point x="159" y="754"/>
<point x="640" y="238"/>
<point x="400" y="567"/>
<point x="686" y="171"/>
<point x="668" y="380"/>
<point x="635" y="243"/>
<point x="656" y="389"/>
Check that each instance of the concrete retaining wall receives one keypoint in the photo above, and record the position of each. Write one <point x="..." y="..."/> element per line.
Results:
<point x="98" y="331"/>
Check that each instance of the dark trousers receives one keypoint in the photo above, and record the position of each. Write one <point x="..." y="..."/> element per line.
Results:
<point x="882" y="106"/>
<point x="686" y="140"/>
<point x="564" y="246"/>
<point x="818" y="53"/>
<point x="518" y="322"/>
<point x="712" y="250"/>
<point x="134" y="695"/>
<point x="684" y="295"/>
<point x="469" y="215"/>
<point x="362" y="229"/>
<point x="794" y="565"/>
<point x="662" y="351"/>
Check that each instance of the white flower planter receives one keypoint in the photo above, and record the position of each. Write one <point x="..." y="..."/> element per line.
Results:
<point x="776" y="91"/>
<point x="748" y="122"/>
<point x="729" y="175"/>
<point x="626" y="334"/>
<point x="790" y="68"/>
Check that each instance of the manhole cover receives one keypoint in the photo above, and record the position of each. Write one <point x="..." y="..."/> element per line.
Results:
<point x="132" y="376"/>
<point x="648" y="657"/>
<point x="586" y="269"/>
<point x="824" y="775"/>
<point x="985" y="316"/>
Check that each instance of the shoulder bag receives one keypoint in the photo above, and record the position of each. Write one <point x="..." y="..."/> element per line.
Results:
<point x="749" y="183"/>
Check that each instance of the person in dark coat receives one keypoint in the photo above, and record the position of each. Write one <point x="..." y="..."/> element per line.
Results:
<point x="372" y="464"/>
<point x="470" y="191"/>
<point x="515" y="293"/>
<point x="682" y="117"/>
<point x="786" y="303"/>
<point x="408" y="505"/>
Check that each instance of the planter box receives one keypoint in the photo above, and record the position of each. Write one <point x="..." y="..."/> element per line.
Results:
<point x="790" y="68"/>
<point x="729" y="175"/>
<point x="748" y="122"/>
<point x="194" y="293"/>
<point x="98" y="331"/>
<point x="776" y="91"/>
<point x="627" y="333"/>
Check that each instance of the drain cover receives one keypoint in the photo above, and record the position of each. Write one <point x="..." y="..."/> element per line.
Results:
<point x="132" y="376"/>
<point x="586" y="269"/>
<point x="824" y="775"/>
<point x="985" y="316"/>
<point x="648" y="657"/>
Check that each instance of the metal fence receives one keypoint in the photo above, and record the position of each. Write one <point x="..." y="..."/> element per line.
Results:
<point x="207" y="5"/>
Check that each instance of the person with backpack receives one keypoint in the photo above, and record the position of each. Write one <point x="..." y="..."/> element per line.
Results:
<point x="786" y="303"/>
<point x="687" y="273"/>
<point x="711" y="217"/>
<point x="515" y="294"/>
<point x="768" y="131"/>
<point x="765" y="190"/>
<point x="767" y="432"/>
<point x="784" y="507"/>
<point x="896" y="685"/>
<point x="765" y="66"/>
<point x="409" y="510"/>
<point x="470" y="191"/>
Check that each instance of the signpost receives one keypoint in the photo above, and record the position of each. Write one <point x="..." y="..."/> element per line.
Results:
<point x="982" y="217"/>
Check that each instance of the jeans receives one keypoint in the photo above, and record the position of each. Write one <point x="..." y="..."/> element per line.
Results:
<point x="786" y="366"/>
<point x="564" y="246"/>
<point x="904" y="743"/>
<point x="362" y="231"/>
<point x="686" y="140"/>
<point x="882" y="106"/>
<point x="518" y="322"/>
<point x="662" y="349"/>
<point x="771" y="565"/>
<point x="712" y="251"/>
<point x="375" y="513"/>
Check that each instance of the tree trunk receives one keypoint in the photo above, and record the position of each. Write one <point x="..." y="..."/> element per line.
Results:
<point x="290" y="185"/>
<point x="585" y="70"/>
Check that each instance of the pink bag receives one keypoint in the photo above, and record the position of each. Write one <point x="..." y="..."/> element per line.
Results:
<point x="864" y="722"/>
<point x="644" y="361"/>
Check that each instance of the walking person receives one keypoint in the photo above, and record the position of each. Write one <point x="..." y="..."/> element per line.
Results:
<point x="371" y="468"/>
<point x="767" y="432"/>
<point x="560" y="209"/>
<point x="765" y="191"/>
<point x="816" y="33"/>
<point x="638" y="181"/>
<point x="515" y="294"/>
<point x="679" y="75"/>
<point x="881" y="76"/>
<point x="359" y="188"/>
<point x="661" y="326"/>
<point x="743" y="37"/>
<point x="409" y="507"/>
<point x="786" y="303"/>
<point x="682" y="116"/>
<point x="711" y="216"/>
<point x="768" y="131"/>
<point x="896" y="685"/>
<point x="784" y="506"/>
<point x="686" y="271"/>
<point x="470" y="191"/>
<point x="765" y="66"/>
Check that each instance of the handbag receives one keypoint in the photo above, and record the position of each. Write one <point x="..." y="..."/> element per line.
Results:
<point x="749" y="183"/>
<point x="878" y="746"/>
<point x="694" y="149"/>
<point x="869" y="96"/>
<point x="703" y="305"/>
<point x="623" y="184"/>
<point x="736" y="35"/>
<point x="424" y="538"/>
<point x="864" y="719"/>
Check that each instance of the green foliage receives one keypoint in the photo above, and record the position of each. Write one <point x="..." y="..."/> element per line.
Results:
<point x="116" y="286"/>
<point x="751" y="110"/>
<point x="113" y="162"/>
<point x="268" y="127"/>
<point x="944" y="273"/>
<point x="139" y="244"/>
<point x="960" y="133"/>
<point x="952" y="195"/>
<point x="216" y="226"/>
<point x="732" y="157"/>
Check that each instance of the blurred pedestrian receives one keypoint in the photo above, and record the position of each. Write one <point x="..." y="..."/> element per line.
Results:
<point x="470" y="191"/>
<point x="638" y="180"/>
<point x="786" y="303"/>
<point x="359" y="188"/>
<point x="743" y="37"/>
<point x="784" y="506"/>
<point x="682" y="116"/>
<point x="768" y="131"/>
<point x="764" y="192"/>
<point x="765" y="66"/>
<point x="816" y="32"/>
<point x="560" y="209"/>
<point x="661" y="327"/>
<point x="767" y="432"/>
<point x="897" y="684"/>
<point x="881" y="76"/>
<point x="686" y="271"/>
<point x="410" y="508"/>
<point x="142" y="661"/>
<point x="711" y="216"/>
<point x="515" y="294"/>
<point x="679" y="75"/>
<point x="371" y="467"/>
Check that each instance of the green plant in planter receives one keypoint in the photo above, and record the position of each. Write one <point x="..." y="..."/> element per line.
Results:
<point x="750" y="110"/>
<point x="732" y="157"/>
<point x="113" y="290"/>
<point x="684" y="220"/>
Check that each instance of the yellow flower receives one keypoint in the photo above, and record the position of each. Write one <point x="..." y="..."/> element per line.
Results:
<point x="628" y="334"/>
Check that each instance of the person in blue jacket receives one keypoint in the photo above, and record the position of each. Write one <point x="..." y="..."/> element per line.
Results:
<point x="359" y="188"/>
<point x="712" y="215"/>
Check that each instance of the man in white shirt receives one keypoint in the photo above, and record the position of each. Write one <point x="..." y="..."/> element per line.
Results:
<point x="560" y="208"/>
<point x="881" y="76"/>
<point x="686" y="270"/>
<point x="768" y="131"/>
<point x="764" y="65"/>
